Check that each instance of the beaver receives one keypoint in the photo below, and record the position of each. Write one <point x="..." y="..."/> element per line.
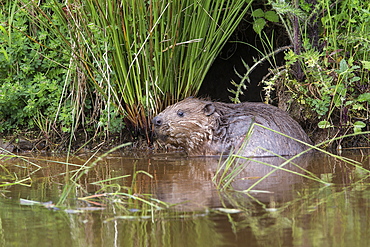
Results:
<point x="204" y="127"/>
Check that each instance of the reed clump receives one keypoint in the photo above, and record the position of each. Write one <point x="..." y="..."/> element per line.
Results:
<point x="120" y="62"/>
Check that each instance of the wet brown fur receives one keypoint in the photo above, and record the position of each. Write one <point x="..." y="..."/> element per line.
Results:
<point x="210" y="128"/>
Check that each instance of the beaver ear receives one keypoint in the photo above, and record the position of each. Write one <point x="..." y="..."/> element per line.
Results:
<point x="209" y="109"/>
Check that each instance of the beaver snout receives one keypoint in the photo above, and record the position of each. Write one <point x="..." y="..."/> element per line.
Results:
<point x="157" y="121"/>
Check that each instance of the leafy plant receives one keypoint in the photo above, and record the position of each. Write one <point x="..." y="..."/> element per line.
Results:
<point x="31" y="78"/>
<point x="261" y="17"/>
<point x="335" y="68"/>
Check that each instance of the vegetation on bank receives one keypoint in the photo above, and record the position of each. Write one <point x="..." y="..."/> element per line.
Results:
<point x="102" y="66"/>
<point x="98" y="67"/>
<point x="327" y="70"/>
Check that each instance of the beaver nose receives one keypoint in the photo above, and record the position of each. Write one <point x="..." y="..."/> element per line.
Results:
<point x="157" y="121"/>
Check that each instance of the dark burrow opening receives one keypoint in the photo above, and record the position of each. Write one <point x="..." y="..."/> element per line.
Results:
<point x="244" y="45"/>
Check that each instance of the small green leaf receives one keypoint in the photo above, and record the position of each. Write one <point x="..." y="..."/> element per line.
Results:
<point x="3" y="30"/>
<point x="337" y="100"/>
<point x="354" y="79"/>
<point x="366" y="64"/>
<point x="343" y="66"/>
<point x="358" y="107"/>
<point x="5" y="54"/>
<point x="324" y="124"/>
<point x="302" y="101"/>
<point x="356" y="130"/>
<point x="364" y="97"/>
<point x="258" y="25"/>
<point x="357" y="126"/>
<point x="258" y="13"/>
<point x="271" y="16"/>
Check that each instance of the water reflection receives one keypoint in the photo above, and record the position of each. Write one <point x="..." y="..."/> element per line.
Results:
<point x="192" y="182"/>
<point x="283" y="210"/>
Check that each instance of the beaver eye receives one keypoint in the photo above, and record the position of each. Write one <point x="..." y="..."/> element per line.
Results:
<point x="180" y="113"/>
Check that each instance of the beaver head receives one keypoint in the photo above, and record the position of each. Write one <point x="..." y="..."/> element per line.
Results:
<point x="188" y="124"/>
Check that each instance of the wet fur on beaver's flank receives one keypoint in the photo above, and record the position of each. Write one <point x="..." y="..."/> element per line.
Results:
<point x="211" y="128"/>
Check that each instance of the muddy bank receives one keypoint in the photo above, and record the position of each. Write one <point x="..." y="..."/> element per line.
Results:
<point x="82" y="141"/>
<point x="32" y="142"/>
<point x="139" y="143"/>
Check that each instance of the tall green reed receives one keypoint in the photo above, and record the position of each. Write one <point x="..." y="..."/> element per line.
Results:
<point x="162" y="50"/>
<point x="136" y="57"/>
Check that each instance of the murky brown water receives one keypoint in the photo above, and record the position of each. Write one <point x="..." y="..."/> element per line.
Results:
<point x="284" y="209"/>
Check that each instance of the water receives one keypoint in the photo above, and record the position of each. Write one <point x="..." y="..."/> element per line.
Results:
<point x="283" y="210"/>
